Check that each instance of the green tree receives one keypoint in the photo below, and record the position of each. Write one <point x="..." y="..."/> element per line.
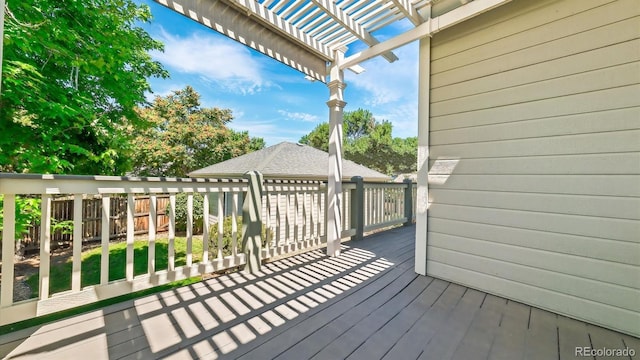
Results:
<point x="370" y="143"/>
<point x="358" y="123"/>
<point x="73" y="73"/>
<point x="184" y="136"/>
<point x="318" y="137"/>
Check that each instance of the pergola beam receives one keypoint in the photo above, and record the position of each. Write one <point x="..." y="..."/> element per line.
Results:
<point x="428" y="28"/>
<point x="409" y="11"/>
<point x="346" y="21"/>
<point x="283" y="26"/>
<point x="259" y="29"/>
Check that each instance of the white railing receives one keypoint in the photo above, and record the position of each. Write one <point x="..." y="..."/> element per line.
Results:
<point x="80" y="187"/>
<point x="384" y="204"/>
<point x="293" y="218"/>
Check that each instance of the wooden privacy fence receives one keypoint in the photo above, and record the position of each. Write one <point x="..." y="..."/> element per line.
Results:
<point x="62" y="210"/>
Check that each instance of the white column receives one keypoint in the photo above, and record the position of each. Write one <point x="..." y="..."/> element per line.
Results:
<point x="334" y="192"/>
<point x="422" y="200"/>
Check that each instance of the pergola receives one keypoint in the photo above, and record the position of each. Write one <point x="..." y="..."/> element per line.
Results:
<point x="314" y="36"/>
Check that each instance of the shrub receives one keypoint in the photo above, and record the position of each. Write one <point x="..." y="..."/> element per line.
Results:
<point x="227" y="237"/>
<point x="181" y="212"/>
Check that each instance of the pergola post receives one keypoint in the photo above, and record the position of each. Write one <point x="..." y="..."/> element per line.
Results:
<point x="334" y="191"/>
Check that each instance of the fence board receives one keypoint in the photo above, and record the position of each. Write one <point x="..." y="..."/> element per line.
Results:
<point x="62" y="209"/>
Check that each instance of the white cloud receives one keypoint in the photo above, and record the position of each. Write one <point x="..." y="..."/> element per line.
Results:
<point x="298" y="116"/>
<point x="390" y="90"/>
<point x="388" y="82"/>
<point x="215" y="59"/>
<point x="403" y="116"/>
<point x="273" y="132"/>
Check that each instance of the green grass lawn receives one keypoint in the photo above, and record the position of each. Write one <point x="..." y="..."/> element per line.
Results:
<point x="60" y="278"/>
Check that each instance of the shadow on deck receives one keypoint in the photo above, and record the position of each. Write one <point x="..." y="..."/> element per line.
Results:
<point x="366" y="304"/>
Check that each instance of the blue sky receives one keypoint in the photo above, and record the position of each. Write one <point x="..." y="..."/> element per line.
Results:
<point x="269" y="99"/>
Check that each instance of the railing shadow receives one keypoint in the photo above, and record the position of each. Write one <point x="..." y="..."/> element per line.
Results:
<point x="217" y="317"/>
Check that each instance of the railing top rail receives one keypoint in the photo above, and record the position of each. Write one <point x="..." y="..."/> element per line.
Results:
<point x="115" y="178"/>
<point x="384" y="185"/>
<point x="83" y="184"/>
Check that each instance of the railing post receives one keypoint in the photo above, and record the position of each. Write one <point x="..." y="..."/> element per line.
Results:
<point x="408" y="202"/>
<point x="357" y="208"/>
<point x="252" y="222"/>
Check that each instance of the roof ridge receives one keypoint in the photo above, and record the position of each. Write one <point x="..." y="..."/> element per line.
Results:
<point x="271" y="156"/>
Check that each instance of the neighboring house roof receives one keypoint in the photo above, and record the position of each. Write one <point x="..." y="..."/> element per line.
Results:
<point x="402" y="177"/>
<point x="287" y="160"/>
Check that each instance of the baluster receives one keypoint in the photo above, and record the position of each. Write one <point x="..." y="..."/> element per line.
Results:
<point x="288" y="218"/>
<point x="278" y="220"/>
<point x="45" y="245"/>
<point x="269" y="237"/>
<point x="106" y="233"/>
<point x="313" y="217"/>
<point x="171" y="265"/>
<point x="234" y="224"/>
<point x="189" y="229"/>
<point x="9" y="247"/>
<point x="205" y="228"/>
<point x="307" y="215"/>
<point x="220" y="224"/>
<point x="367" y="206"/>
<point x="77" y="243"/>
<point x="130" y="234"/>
<point x="153" y="218"/>
<point x="296" y="217"/>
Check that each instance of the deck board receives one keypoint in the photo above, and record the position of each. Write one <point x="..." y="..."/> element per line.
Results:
<point x="510" y="338"/>
<point x="410" y="346"/>
<point x="447" y="338"/>
<point x="352" y="335"/>
<point x="380" y="342"/>
<point x="366" y="304"/>
<point x="571" y="333"/>
<point x="541" y="341"/>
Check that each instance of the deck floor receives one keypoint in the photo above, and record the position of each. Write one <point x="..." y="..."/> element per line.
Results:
<point x="366" y="304"/>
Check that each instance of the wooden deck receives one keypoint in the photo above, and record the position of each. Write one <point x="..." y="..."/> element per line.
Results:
<point x="366" y="304"/>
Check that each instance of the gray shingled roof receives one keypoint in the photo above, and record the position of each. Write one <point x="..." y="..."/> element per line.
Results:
<point x="287" y="160"/>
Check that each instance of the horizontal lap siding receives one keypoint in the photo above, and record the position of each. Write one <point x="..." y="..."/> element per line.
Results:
<point x="535" y="157"/>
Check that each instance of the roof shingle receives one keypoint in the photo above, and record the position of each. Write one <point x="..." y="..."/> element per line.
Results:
<point x="287" y="160"/>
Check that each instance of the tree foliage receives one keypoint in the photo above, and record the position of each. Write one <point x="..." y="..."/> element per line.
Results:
<point x="318" y="137"/>
<point x="370" y="143"/>
<point x="73" y="72"/>
<point x="184" y="136"/>
<point x="357" y="124"/>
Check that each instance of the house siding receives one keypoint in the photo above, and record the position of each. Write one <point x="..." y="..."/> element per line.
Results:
<point x="534" y="181"/>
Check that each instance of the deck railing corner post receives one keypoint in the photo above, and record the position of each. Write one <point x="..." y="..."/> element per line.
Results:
<point x="408" y="202"/>
<point x="252" y="222"/>
<point x="357" y="208"/>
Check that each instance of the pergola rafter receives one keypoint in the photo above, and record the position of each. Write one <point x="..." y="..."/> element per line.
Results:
<point x="272" y="18"/>
<point x="302" y="33"/>
<point x="409" y="11"/>
<point x="348" y="23"/>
